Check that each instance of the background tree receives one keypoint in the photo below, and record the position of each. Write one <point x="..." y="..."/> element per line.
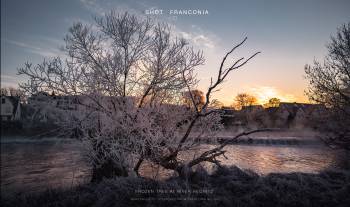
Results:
<point x="218" y="105"/>
<point x="15" y="92"/>
<point x="195" y="96"/>
<point x="273" y="102"/>
<point x="243" y="100"/>
<point x="330" y="85"/>
<point x="4" y="92"/>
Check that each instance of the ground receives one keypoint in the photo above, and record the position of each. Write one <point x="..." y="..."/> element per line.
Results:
<point x="227" y="186"/>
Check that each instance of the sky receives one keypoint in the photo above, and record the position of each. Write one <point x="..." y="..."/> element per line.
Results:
<point x="289" y="35"/>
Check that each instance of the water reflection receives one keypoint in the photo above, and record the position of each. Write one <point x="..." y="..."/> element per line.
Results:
<point x="34" y="166"/>
<point x="268" y="159"/>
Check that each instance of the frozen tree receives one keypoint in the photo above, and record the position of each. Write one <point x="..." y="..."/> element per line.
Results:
<point x="120" y="88"/>
<point x="330" y="85"/>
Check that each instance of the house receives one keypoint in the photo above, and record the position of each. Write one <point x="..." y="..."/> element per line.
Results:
<point x="39" y="97"/>
<point x="298" y="114"/>
<point x="10" y="108"/>
<point x="78" y="102"/>
<point x="228" y="115"/>
<point x="253" y="108"/>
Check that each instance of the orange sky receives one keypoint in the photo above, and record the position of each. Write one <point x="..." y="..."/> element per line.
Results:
<point x="268" y="75"/>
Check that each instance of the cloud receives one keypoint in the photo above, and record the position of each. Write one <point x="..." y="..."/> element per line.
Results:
<point x="35" y="49"/>
<point x="101" y="7"/>
<point x="203" y="40"/>
<point x="9" y="81"/>
<point x="93" y="6"/>
<point x="199" y="40"/>
<point x="198" y="37"/>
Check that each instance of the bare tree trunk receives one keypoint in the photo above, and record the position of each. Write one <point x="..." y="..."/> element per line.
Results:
<point x="137" y="166"/>
<point x="108" y="170"/>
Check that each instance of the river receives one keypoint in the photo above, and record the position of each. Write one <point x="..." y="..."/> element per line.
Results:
<point x="36" y="165"/>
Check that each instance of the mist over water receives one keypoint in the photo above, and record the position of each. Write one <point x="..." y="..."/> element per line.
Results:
<point x="35" y="165"/>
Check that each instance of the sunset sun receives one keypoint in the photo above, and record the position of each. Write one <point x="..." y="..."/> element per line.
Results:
<point x="265" y="93"/>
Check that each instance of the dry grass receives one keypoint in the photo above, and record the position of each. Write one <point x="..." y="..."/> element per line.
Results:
<point x="225" y="187"/>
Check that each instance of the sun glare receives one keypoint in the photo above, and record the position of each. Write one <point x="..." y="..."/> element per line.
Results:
<point x="265" y="93"/>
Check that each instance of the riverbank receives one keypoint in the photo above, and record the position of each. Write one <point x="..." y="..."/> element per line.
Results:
<point x="14" y="130"/>
<point x="227" y="186"/>
<point x="20" y="129"/>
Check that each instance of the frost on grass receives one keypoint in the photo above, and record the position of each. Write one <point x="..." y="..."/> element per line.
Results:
<point x="228" y="186"/>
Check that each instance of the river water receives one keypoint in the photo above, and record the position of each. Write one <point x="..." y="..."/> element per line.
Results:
<point x="35" y="165"/>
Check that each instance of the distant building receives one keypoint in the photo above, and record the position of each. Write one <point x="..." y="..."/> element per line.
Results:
<point x="39" y="97"/>
<point x="298" y="114"/>
<point x="227" y="115"/>
<point x="253" y="108"/>
<point x="78" y="102"/>
<point x="227" y="111"/>
<point x="302" y="108"/>
<point x="10" y="108"/>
